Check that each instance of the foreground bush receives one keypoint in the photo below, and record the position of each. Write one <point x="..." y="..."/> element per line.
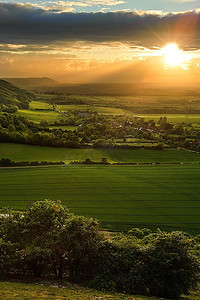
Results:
<point x="47" y="240"/>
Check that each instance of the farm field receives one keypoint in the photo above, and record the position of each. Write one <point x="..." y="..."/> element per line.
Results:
<point x="40" y="105"/>
<point x="100" y="110"/>
<point x="38" y="115"/>
<point x="21" y="152"/>
<point x="121" y="197"/>
<point x="173" y="118"/>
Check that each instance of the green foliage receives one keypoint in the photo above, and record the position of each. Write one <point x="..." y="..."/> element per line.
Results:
<point x="139" y="233"/>
<point x="47" y="240"/>
<point x="170" y="269"/>
<point x="164" y="267"/>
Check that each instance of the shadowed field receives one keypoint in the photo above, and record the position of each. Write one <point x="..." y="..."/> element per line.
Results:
<point x="20" y="152"/>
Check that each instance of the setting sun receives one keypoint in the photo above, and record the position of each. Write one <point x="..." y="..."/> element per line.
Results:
<point x="174" y="56"/>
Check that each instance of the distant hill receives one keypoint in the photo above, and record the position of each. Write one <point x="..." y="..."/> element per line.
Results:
<point x="120" y="89"/>
<point x="31" y="83"/>
<point x="11" y="95"/>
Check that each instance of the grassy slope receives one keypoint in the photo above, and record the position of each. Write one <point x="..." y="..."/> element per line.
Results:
<point x="20" y="152"/>
<point x="38" y="115"/>
<point x="10" y="93"/>
<point x="17" y="290"/>
<point x="32" y="82"/>
<point x="10" y="290"/>
<point x="121" y="197"/>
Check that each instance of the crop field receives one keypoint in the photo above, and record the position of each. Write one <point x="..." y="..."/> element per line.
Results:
<point x="40" y="105"/>
<point x="121" y="197"/>
<point x="38" y="115"/>
<point x="100" y="110"/>
<point x="20" y="152"/>
<point x="173" y="118"/>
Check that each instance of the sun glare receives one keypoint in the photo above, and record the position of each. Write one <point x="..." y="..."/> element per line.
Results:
<point x="174" y="56"/>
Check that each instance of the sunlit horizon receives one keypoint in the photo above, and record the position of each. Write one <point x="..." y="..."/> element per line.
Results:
<point x="105" y="46"/>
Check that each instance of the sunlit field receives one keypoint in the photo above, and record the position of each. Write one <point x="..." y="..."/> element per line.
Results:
<point x="100" y="110"/>
<point x="51" y="116"/>
<point x="121" y="197"/>
<point x="173" y="118"/>
<point x="20" y="152"/>
<point x="38" y="115"/>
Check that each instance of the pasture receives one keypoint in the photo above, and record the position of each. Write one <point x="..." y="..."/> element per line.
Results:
<point x="21" y="152"/>
<point x="38" y="115"/>
<point x="173" y="118"/>
<point x="99" y="109"/>
<point x="41" y="110"/>
<point x="121" y="197"/>
<point x="40" y="105"/>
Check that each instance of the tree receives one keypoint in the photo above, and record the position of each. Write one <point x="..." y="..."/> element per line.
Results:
<point x="43" y="123"/>
<point x="169" y="267"/>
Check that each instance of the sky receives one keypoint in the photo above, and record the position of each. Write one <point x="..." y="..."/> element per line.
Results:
<point x="101" y="40"/>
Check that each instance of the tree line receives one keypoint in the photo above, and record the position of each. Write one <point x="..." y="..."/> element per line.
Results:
<point x="47" y="240"/>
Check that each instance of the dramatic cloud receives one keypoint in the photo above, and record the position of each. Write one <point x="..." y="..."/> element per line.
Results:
<point x="25" y="24"/>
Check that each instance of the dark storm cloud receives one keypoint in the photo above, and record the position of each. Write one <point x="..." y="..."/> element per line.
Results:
<point x="24" y="24"/>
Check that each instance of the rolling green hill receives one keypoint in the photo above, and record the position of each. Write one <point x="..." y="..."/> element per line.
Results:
<point x="12" y="95"/>
<point x="32" y="82"/>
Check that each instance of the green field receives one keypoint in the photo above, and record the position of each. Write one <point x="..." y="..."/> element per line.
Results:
<point x="99" y="109"/>
<point x="37" y="112"/>
<point x="40" y="105"/>
<point x="38" y="115"/>
<point x="58" y="291"/>
<point x="51" y="116"/>
<point x="121" y="197"/>
<point x="173" y="118"/>
<point x="20" y="152"/>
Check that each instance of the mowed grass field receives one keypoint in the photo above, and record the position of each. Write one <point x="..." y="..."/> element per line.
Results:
<point x="121" y="197"/>
<point x="20" y="152"/>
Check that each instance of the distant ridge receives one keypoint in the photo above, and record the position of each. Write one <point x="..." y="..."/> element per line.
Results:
<point x="12" y="95"/>
<point x="30" y="83"/>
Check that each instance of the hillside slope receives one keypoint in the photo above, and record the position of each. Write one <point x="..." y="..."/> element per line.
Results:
<point x="12" y="95"/>
<point x="31" y="83"/>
